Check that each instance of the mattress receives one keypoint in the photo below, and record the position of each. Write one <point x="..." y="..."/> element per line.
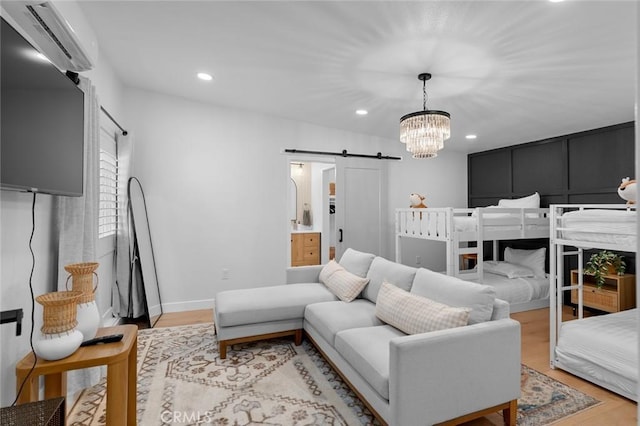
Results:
<point x="468" y="223"/>
<point x="517" y="290"/>
<point x="604" y="347"/>
<point x="600" y="226"/>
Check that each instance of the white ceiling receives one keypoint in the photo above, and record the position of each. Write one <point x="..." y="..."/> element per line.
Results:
<point x="508" y="71"/>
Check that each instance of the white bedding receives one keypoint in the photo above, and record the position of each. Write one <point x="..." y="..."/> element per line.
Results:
<point x="604" y="347"/>
<point x="600" y="226"/>
<point x="517" y="290"/>
<point x="468" y="223"/>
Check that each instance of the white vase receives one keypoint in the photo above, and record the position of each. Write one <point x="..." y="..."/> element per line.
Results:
<point x="57" y="346"/>
<point x="89" y="320"/>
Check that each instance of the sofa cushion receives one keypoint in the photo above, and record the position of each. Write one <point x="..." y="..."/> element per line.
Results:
<point x="356" y="261"/>
<point x="262" y="304"/>
<point x="453" y="291"/>
<point x="328" y="318"/>
<point x="367" y="351"/>
<point x="415" y="314"/>
<point x="341" y="282"/>
<point x="381" y="270"/>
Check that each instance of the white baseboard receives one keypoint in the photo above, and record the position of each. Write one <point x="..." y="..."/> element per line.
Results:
<point x="108" y="320"/>
<point x="190" y="305"/>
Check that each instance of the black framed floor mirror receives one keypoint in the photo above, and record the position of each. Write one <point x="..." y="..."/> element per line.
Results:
<point x="144" y="261"/>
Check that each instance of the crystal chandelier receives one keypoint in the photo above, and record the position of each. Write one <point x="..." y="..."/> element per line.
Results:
<point x="424" y="132"/>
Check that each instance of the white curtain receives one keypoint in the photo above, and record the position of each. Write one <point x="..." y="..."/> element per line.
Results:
<point x="77" y="220"/>
<point x="127" y="302"/>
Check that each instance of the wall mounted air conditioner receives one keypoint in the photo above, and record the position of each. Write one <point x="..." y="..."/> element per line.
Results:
<point x="59" y="29"/>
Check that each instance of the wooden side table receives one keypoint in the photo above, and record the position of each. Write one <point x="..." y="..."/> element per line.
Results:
<point x="120" y="359"/>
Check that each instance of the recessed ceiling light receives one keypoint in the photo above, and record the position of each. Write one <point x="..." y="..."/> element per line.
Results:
<point x="204" y="76"/>
<point x="362" y="112"/>
<point x="556" y="1"/>
<point x="471" y="136"/>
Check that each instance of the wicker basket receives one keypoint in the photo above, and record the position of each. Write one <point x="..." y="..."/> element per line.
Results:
<point x="82" y="279"/>
<point x="60" y="310"/>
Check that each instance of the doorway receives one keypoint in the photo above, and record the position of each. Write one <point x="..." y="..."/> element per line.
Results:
<point x="335" y="204"/>
<point x="311" y="220"/>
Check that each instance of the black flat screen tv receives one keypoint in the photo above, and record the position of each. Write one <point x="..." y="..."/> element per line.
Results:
<point x="41" y="122"/>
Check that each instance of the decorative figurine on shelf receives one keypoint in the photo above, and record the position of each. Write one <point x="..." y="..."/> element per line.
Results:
<point x="627" y="191"/>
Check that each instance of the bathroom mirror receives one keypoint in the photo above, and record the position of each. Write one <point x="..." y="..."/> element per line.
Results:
<point x="293" y="200"/>
<point x="143" y="251"/>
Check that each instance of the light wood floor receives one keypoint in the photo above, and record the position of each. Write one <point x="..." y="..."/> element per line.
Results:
<point x="614" y="410"/>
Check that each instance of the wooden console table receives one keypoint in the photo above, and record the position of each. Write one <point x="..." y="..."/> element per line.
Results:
<point x="120" y="359"/>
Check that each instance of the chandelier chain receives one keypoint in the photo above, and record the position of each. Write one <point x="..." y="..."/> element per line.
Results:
<point x="424" y="95"/>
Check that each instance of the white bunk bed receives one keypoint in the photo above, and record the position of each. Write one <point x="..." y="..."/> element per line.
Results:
<point x="601" y="349"/>
<point x="459" y="227"/>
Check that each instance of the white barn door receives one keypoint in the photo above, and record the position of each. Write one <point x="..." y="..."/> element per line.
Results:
<point x="360" y="205"/>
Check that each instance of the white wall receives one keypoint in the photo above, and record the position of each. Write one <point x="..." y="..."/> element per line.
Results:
<point x="216" y="182"/>
<point x="443" y="182"/>
<point x="15" y="258"/>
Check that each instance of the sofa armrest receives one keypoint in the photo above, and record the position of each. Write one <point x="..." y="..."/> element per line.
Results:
<point x="445" y="374"/>
<point x="501" y="309"/>
<point x="304" y="274"/>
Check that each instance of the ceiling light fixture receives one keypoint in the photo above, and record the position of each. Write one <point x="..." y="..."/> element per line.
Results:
<point x="471" y="136"/>
<point x="424" y="132"/>
<point x="204" y="76"/>
<point x="362" y="112"/>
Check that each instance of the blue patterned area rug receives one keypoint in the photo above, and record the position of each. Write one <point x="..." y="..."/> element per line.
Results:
<point x="181" y="380"/>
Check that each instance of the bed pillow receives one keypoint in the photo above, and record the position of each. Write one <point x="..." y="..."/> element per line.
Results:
<point x="342" y="283"/>
<point x="507" y="269"/>
<point x="531" y="201"/>
<point x="532" y="259"/>
<point x="493" y="215"/>
<point x="415" y="314"/>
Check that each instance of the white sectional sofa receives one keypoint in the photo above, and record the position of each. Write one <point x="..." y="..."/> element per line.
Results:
<point x="450" y="375"/>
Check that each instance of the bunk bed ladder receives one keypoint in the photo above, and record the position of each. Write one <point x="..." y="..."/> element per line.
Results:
<point x="557" y="288"/>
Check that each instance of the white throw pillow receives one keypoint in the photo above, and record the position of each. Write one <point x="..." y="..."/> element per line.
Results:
<point x="532" y="259"/>
<point x="342" y="283"/>
<point x="507" y="269"/>
<point x="414" y="314"/>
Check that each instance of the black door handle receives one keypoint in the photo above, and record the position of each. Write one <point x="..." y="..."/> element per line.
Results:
<point x="340" y="239"/>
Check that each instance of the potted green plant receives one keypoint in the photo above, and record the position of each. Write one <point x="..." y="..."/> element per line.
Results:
<point x="604" y="263"/>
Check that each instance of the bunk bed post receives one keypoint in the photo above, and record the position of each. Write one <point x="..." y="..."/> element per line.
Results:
<point x="552" y="288"/>
<point x="480" y="246"/>
<point x="452" y="242"/>
<point x="554" y="285"/>
<point x="559" y="286"/>
<point x="398" y="230"/>
<point x="496" y="255"/>
<point x="580" y="283"/>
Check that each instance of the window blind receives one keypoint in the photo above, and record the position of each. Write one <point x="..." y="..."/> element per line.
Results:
<point x="108" y="210"/>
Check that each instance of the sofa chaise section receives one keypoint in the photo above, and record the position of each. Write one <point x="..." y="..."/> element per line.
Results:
<point x="246" y="315"/>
